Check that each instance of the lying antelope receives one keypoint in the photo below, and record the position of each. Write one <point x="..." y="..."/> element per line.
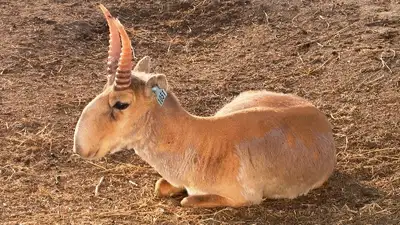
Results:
<point x="260" y="145"/>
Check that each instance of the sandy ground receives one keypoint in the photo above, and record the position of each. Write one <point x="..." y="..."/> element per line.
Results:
<point x="344" y="56"/>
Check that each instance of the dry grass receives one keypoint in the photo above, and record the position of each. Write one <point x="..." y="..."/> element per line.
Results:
<point x="343" y="56"/>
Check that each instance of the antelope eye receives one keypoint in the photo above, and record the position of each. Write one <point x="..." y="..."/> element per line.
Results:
<point x="120" y="105"/>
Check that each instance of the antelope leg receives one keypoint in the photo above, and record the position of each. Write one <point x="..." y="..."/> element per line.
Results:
<point x="165" y="189"/>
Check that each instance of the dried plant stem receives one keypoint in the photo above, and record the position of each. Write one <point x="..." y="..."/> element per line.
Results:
<point x="96" y="190"/>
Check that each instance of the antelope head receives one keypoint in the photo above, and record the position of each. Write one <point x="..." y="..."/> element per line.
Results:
<point x="108" y="120"/>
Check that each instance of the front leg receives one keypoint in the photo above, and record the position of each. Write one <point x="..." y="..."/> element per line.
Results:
<point x="164" y="189"/>
<point x="209" y="201"/>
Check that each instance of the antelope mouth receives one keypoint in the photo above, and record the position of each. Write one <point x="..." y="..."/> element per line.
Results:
<point x="93" y="155"/>
<point x="90" y="156"/>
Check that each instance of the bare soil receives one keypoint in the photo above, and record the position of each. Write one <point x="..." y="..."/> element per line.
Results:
<point x="344" y="56"/>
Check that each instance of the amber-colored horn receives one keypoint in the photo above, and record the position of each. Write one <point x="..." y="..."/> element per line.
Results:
<point x="115" y="44"/>
<point x="123" y="76"/>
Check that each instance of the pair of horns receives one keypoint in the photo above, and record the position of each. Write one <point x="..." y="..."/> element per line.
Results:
<point x="119" y="63"/>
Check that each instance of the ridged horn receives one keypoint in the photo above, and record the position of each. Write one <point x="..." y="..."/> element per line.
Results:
<point x="115" y="44"/>
<point x="123" y="75"/>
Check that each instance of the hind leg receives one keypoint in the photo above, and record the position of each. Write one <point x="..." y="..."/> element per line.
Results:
<point x="164" y="189"/>
<point x="209" y="201"/>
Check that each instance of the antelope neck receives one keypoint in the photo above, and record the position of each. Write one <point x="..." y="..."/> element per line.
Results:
<point x="163" y="128"/>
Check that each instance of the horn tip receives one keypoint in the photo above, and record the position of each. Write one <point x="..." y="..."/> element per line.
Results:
<point x="105" y="11"/>
<point x="102" y="7"/>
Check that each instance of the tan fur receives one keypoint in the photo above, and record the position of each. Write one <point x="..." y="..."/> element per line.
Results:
<point x="260" y="145"/>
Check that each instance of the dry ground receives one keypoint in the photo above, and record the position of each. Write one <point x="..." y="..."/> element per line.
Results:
<point x="344" y="56"/>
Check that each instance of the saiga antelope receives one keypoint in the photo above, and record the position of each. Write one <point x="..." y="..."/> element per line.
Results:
<point x="260" y="145"/>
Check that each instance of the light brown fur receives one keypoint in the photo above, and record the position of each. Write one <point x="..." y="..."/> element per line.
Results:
<point x="260" y="145"/>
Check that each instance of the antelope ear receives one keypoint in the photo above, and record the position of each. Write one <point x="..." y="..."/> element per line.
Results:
<point x="143" y="65"/>
<point x="158" y="80"/>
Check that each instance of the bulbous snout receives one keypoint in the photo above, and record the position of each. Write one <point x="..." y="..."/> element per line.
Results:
<point x="93" y="130"/>
<point x="83" y="142"/>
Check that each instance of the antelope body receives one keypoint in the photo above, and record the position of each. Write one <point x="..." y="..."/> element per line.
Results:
<point x="260" y="145"/>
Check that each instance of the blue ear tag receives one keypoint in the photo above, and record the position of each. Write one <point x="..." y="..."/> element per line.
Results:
<point x="161" y="94"/>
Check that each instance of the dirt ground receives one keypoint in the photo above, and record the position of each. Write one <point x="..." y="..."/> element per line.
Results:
<point x="344" y="56"/>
